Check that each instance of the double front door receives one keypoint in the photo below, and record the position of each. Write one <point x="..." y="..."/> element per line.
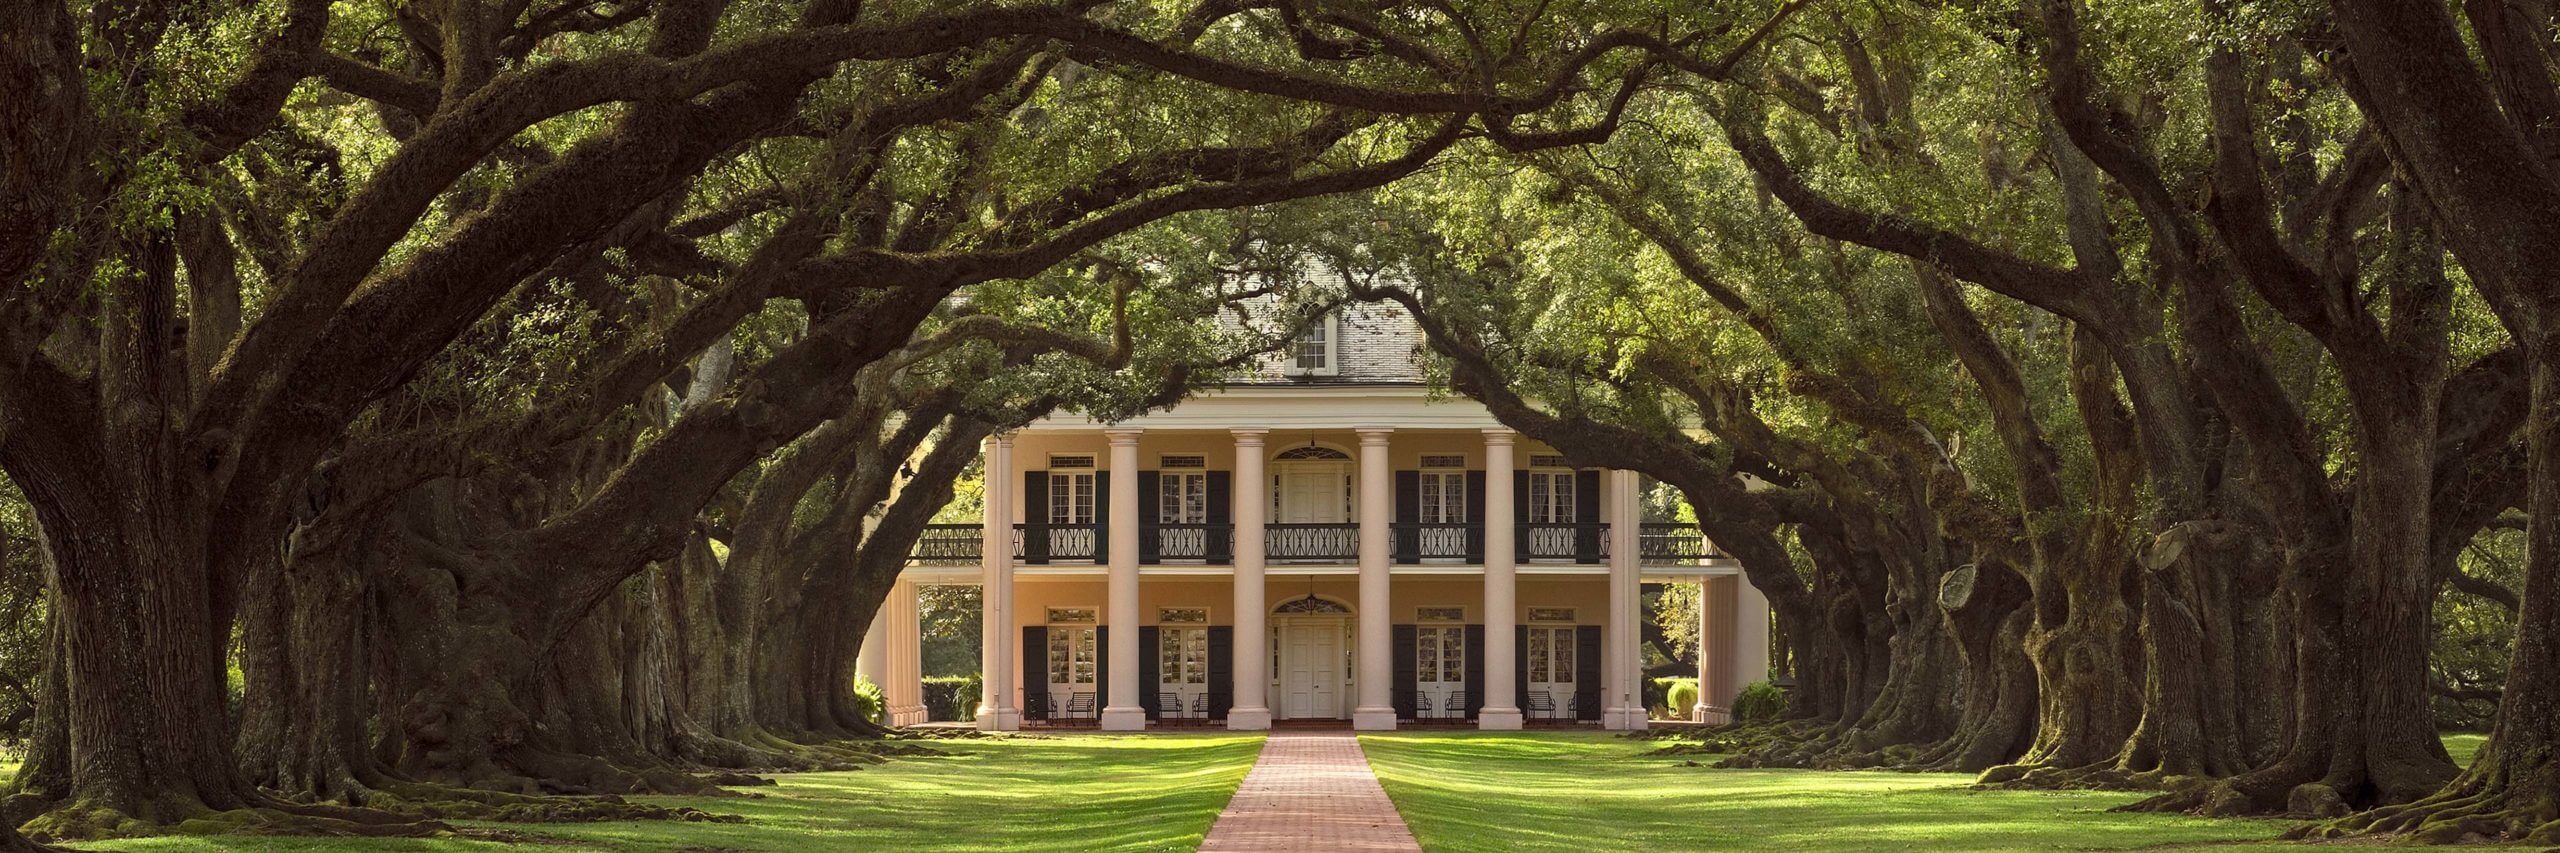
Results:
<point x="1313" y="666"/>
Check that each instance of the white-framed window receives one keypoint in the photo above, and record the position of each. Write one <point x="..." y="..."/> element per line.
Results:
<point x="1182" y="497"/>
<point x="1551" y="497"/>
<point x="1070" y="497"/>
<point x="1444" y="497"/>
<point x="1071" y="461"/>
<point x="1440" y="654"/>
<point x="1182" y="460"/>
<point x="1315" y="352"/>
<point x="1182" y="615"/>
<point x="1551" y="614"/>
<point x="1073" y="657"/>
<point x="1444" y="460"/>
<point x="1550" y="655"/>
<point x="1439" y="614"/>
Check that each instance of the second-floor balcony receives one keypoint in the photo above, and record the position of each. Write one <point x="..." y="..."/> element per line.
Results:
<point x="1659" y="544"/>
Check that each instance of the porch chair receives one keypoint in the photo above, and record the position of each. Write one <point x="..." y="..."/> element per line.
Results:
<point x="1080" y="708"/>
<point x="1572" y="707"/>
<point x="1455" y="708"/>
<point x="1541" y="706"/>
<point x="1200" y="708"/>
<point x="1169" y="709"/>
<point x="1035" y="707"/>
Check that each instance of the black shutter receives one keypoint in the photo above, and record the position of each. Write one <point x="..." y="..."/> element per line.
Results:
<point x="1035" y="517"/>
<point x="1035" y="672"/>
<point x="1475" y="521"/>
<point x="1101" y="668"/>
<point x="1475" y="670"/>
<point x="1221" y="539"/>
<point x="1408" y="539"/>
<point x="1520" y="517"/>
<point x="1222" y="670"/>
<point x="1586" y="671"/>
<point x="1101" y="517"/>
<point x="1520" y="667"/>
<point x="1150" y="669"/>
<point x="1150" y="514"/>
<point x="1407" y="680"/>
<point x="1586" y="512"/>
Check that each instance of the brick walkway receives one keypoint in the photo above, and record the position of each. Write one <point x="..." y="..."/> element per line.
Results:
<point x="1310" y="790"/>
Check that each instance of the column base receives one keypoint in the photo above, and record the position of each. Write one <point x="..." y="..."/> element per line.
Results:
<point x="999" y="720"/>
<point x="1373" y="719"/>
<point x="1498" y="720"/>
<point x="1713" y="715"/>
<point x="1126" y="718"/>
<point x="1248" y="719"/>
<point x="908" y="715"/>
<point x="1623" y="719"/>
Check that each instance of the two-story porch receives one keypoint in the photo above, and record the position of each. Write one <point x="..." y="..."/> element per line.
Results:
<point x="1393" y="558"/>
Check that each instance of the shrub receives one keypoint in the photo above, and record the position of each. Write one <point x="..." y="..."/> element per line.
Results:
<point x="1759" y="703"/>
<point x="870" y="700"/>
<point x="1680" y="697"/>
<point x="951" y="698"/>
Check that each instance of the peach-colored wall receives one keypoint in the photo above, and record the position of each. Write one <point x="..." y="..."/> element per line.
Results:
<point x="1032" y="597"/>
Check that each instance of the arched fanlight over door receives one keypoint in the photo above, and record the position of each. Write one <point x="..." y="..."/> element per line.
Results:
<point x="1308" y="605"/>
<point x="1312" y="453"/>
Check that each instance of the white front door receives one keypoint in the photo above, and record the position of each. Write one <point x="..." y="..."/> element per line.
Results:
<point x="1310" y="670"/>
<point x="1312" y="494"/>
<point x="1551" y="667"/>
<point x="1440" y="669"/>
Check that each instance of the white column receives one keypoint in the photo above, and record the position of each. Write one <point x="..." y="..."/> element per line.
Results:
<point x="1376" y="711"/>
<point x="1123" y="714"/>
<point x="872" y="660"/>
<point x="1715" y="651"/>
<point x="1252" y="686"/>
<point x="1501" y="589"/>
<point x="1750" y="635"/>
<point x="997" y="710"/>
<point x="905" y="687"/>
<point x="1622" y="691"/>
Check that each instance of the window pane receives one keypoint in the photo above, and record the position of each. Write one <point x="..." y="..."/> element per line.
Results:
<point x="1564" y="654"/>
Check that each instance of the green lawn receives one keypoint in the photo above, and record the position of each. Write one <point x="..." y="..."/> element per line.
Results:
<point x="2464" y="747"/>
<point x="1589" y="791"/>
<point x="1155" y="792"/>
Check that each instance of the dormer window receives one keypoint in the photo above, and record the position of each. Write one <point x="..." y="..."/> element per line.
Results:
<point x="1317" y="350"/>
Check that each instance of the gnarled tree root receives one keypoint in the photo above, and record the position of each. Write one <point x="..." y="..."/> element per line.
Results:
<point x="86" y="822"/>
<point x="2491" y="815"/>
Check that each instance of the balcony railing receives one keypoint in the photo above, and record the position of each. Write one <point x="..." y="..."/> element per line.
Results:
<point x="1673" y="542"/>
<point x="949" y="544"/>
<point x="1311" y="543"/>
<point x="1438" y="542"/>
<point x="1658" y="543"/>
<point x="1208" y="543"/>
<point x="1584" y="542"/>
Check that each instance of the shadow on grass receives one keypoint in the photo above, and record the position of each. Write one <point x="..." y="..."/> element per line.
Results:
<point x="1151" y="792"/>
<point x="1585" y="791"/>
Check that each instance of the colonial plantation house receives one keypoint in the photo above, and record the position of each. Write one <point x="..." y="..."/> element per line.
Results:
<point x="1326" y="539"/>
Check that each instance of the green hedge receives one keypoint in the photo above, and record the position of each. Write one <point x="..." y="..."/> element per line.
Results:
<point x="1680" y="698"/>
<point x="1759" y="703"/>
<point x="951" y="698"/>
<point x="870" y="700"/>
<point x="1658" y="699"/>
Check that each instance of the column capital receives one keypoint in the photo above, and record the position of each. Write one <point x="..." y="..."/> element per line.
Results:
<point x="999" y="439"/>
<point x="1501" y="436"/>
<point x="1374" y="435"/>
<point x="1249" y="435"/>
<point x="1121" y="436"/>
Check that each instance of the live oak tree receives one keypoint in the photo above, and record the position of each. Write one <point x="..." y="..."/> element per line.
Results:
<point x="258" y="255"/>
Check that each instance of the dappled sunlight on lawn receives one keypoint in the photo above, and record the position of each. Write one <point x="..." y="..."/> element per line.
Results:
<point x="1084" y="792"/>
<point x="1585" y="791"/>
